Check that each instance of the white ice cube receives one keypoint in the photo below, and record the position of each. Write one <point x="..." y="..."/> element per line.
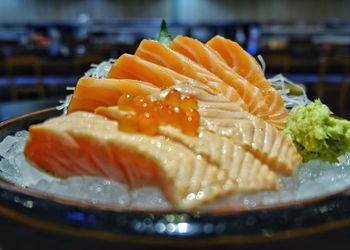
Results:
<point x="9" y="171"/>
<point x="148" y="197"/>
<point x="8" y="147"/>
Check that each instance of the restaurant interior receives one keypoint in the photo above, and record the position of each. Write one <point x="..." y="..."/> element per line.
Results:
<point x="118" y="179"/>
<point x="45" y="46"/>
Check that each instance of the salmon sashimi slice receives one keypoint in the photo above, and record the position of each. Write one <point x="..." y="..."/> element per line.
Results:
<point x="134" y="67"/>
<point x="246" y="66"/>
<point x="211" y="60"/>
<point x="155" y="52"/>
<point x="91" y="93"/>
<point x="96" y="147"/>
<point x="239" y="60"/>
<point x="255" y="135"/>
<point x="249" y="172"/>
<point x="206" y="58"/>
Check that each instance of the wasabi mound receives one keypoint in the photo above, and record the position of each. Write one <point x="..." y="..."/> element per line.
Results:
<point x="316" y="134"/>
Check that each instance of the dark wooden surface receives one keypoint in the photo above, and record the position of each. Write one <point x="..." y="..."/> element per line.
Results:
<point x="14" y="236"/>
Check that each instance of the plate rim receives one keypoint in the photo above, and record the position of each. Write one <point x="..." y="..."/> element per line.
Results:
<point x="195" y="216"/>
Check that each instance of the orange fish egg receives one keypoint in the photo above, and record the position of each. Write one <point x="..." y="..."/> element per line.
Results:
<point x="148" y="123"/>
<point x="128" y="123"/>
<point x="193" y="113"/>
<point x="173" y="98"/>
<point x="173" y="115"/>
<point x="178" y="116"/>
<point x="158" y="107"/>
<point x="190" y="122"/>
<point x="189" y="102"/>
<point x="158" y="103"/>
<point x="142" y="104"/>
<point x="165" y="113"/>
<point x="126" y="102"/>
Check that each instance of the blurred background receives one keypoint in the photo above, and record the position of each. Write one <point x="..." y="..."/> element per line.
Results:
<point x="46" y="46"/>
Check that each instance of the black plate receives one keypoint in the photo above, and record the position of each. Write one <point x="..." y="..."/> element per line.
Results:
<point x="33" y="220"/>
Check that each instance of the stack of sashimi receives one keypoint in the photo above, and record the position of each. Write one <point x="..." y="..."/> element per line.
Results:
<point x="199" y="121"/>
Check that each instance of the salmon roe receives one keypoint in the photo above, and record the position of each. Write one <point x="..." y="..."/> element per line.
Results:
<point x="174" y="110"/>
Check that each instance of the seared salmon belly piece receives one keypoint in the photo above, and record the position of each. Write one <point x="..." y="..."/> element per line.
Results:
<point x="246" y="66"/>
<point x="84" y="143"/>
<point x="249" y="172"/>
<point x="257" y="136"/>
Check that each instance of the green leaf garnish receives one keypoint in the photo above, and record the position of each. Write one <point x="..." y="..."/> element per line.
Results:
<point x="164" y="36"/>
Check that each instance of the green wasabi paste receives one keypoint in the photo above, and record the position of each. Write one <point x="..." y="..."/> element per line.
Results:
<point x="316" y="134"/>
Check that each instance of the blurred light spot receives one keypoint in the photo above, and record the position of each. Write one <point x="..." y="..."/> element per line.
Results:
<point x="28" y="204"/>
<point x="160" y="227"/>
<point x="76" y="216"/>
<point x="171" y="227"/>
<point x="208" y="228"/>
<point x="191" y="196"/>
<point x="182" y="227"/>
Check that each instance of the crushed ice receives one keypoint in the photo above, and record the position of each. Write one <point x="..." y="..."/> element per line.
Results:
<point x="100" y="70"/>
<point x="291" y="101"/>
<point x="312" y="179"/>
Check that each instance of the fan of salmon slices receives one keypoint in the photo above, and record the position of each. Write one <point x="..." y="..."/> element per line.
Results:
<point x="198" y="121"/>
